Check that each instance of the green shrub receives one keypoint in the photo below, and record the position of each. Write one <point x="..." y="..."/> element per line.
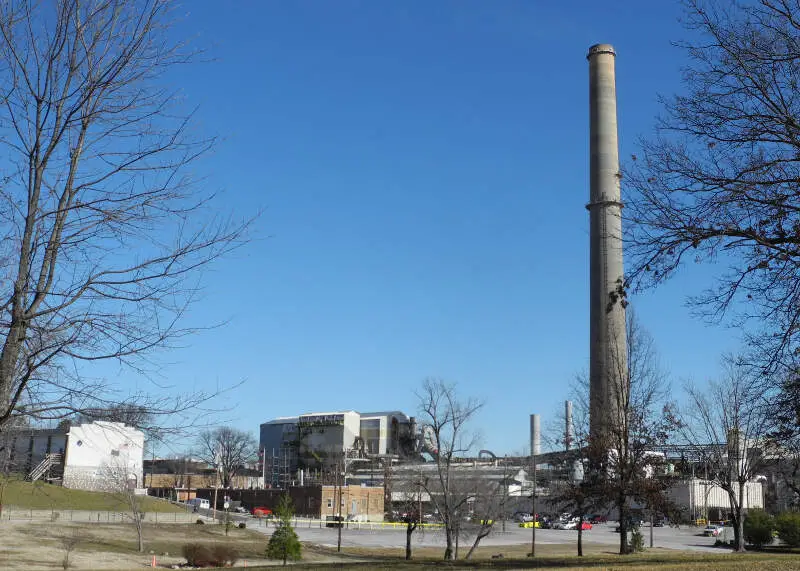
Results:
<point x="788" y="526"/>
<point x="758" y="527"/>
<point x="242" y="525"/>
<point x="200" y="522"/>
<point x="283" y="544"/>
<point x="637" y="541"/>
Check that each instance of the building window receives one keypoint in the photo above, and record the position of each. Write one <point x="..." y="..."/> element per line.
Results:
<point x="330" y="503"/>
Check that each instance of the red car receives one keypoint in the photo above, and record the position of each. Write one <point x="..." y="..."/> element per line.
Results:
<point x="262" y="512"/>
<point x="585" y="526"/>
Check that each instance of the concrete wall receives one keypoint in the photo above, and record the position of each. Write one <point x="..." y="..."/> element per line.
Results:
<point x="103" y="456"/>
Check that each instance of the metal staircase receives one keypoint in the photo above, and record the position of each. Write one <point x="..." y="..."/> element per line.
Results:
<point x="46" y="466"/>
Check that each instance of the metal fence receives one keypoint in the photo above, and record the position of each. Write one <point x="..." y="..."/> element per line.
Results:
<point x="88" y="516"/>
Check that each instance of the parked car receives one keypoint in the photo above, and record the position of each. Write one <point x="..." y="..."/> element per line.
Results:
<point x="565" y="525"/>
<point x="241" y="510"/>
<point x="261" y="511"/>
<point x="597" y="518"/>
<point x="713" y="530"/>
<point x="530" y="524"/>
<point x="334" y="521"/>
<point x="199" y="503"/>
<point x="523" y="517"/>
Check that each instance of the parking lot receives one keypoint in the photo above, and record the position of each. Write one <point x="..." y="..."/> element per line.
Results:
<point x="684" y="539"/>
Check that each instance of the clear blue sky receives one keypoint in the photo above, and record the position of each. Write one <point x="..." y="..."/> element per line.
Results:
<point x="422" y="167"/>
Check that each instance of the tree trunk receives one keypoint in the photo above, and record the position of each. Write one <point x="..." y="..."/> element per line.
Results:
<point x="448" y="536"/>
<point x="624" y="549"/>
<point x="580" y="535"/>
<point x="139" y="531"/>
<point x="409" y="530"/>
<point x="740" y="520"/>
<point x="484" y="531"/>
<point x="738" y="523"/>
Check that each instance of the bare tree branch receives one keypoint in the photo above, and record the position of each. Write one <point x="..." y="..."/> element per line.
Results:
<point x="103" y="231"/>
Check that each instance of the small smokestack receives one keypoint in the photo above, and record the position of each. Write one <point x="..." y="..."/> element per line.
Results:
<point x="536" y="435"/>
<point x="568" y="435"/>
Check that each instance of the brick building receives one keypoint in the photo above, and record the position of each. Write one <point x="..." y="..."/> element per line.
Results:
<point x="360" y="503"/>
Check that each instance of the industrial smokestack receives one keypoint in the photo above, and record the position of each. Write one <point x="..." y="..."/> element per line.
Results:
<point x="536" y="435"/>
<point x="608" y="345"/>
<point x="568" y="435"/>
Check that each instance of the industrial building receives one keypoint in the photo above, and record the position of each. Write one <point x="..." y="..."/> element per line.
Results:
<point x="306" y="447"/>
<point x="100" y="456"/>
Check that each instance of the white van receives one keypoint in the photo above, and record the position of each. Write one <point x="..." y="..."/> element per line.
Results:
<point x="199" y="503"/>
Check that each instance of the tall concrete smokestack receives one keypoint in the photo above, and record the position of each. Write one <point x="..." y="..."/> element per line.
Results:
<point x="608" y="344"/>
<point x="536" y="435"/>
<point x="568" y="436"/>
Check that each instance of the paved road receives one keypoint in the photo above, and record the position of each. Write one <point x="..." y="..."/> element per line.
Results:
<point x="681" y="539"/>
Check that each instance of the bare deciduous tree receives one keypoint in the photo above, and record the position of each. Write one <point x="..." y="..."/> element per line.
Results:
<point x="623" y="466"/>
<point x="489" y="501"/>
<point x="228" y="450"/>
<point x="121" y="481"/>
<point x="719" y="181"/>
<point x="727" y="423"/>
<point x="785" y="432"/>
<point x="409" y="494"/>
<point x="575" y="489"/>
<point x="448" y="417"/>
<point x="102" y="230"/>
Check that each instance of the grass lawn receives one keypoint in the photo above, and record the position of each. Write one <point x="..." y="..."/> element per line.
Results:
<point x="108" y="546"/>
<point x="19" y="494"/>
<point x="557" y="557"/>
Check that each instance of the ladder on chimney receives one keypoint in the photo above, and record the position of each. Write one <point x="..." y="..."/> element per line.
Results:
<point x="50" y="460"/>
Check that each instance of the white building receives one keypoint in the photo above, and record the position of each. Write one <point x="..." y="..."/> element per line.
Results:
<point x="92" y="456"/>
<point x="103" y="456"/>
<point x="702" y="497"/>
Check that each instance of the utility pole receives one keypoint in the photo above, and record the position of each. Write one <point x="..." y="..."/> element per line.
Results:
<point x="264" y="468"/>
<point x="339" y="522"/>
<point x="533" y="497"/>
<point x="535" y="443"/>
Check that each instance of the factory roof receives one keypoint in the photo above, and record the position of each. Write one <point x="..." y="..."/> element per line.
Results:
<point x="384" y="413"/>
<point x="282" y="420"/>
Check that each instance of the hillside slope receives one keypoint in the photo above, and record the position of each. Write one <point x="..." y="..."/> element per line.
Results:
<point x="18" y="494"/>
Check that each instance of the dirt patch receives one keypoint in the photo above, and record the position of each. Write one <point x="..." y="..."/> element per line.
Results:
<point x="104" y="546"/>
